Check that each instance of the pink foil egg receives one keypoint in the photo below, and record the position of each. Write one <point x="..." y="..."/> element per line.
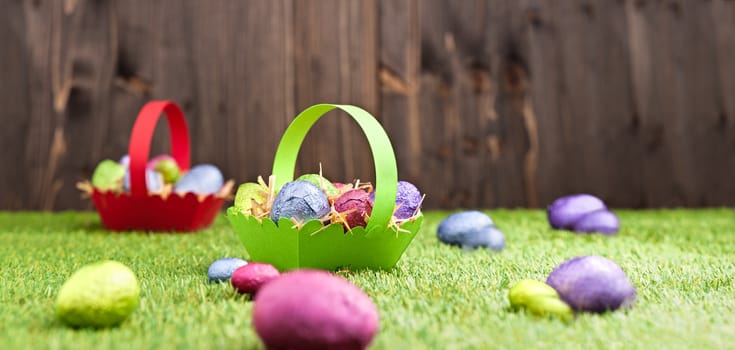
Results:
<point x="248" y="279"/>
<point x="309" y="309"/>
<point x="357" y="205"/>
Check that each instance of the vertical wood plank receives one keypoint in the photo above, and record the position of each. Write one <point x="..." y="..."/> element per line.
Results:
<point x="588" y="141"/>
<point x="478" y="134"/>
<point x="15" y="97"/>
<point x="82" y="75"/>
<point x="244" y="83"/>
<point x="335" y="61"/>
<point x="40" y="19"/>
<point x="398" y="74"/>
<point x="71" y="48"/>
<point x="681" y="124"/>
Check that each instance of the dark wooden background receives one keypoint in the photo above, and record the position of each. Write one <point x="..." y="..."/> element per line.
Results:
<point x="500" y="103"/>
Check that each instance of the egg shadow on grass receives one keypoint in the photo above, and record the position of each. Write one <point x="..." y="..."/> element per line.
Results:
<point x="548" y="318"/>
<point x="53" y="323"/>
<point x="396" y="271"/>
<point x="92" y="226"/>
<point x="223" y="290"/>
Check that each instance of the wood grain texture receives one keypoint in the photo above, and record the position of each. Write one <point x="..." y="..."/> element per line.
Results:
<point x="335" y="62"/>
<point x="489" y="103"/>
<point x="581" y="82"/>
<point x="15" y="99"/>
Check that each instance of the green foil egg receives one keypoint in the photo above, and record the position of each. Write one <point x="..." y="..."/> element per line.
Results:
<point x="539" y="299"/>
<point x="248" y="193"/>
<point x="321" y="182"/>
<point x="108" y="175"/>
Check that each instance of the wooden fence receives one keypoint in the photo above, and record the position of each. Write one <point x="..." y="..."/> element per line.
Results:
<point x="500" y="103"/>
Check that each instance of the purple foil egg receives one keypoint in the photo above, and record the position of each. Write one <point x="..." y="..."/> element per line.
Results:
<point x="309" y="309"/>
<point x="408" y="200"/>
<point x="358" y="206"/>
<point x="592" y="284"/>
<point x="566" y="211"/>
<point x="603" y="221"/>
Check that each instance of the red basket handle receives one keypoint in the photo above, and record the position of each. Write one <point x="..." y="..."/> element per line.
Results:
<point x="140" y="141"/>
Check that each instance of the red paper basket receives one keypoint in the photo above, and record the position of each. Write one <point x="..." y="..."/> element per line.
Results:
<point x="139" y="210"/>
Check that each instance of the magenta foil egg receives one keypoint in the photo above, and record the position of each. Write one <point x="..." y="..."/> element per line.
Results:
<point x="357" y="206"/>
<point x="308" y="309"/>
<point x="248" y="279"/>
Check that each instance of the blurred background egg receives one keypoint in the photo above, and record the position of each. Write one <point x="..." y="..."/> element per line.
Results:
<point x="153" y="180"/>
<point x="602" y="221"/>
<point x="565" y="211"/>
<point x="485" y="237"/>
<point x="167" y="166"/>
<point x="201" y="179"/>
<point x="108" y="175"/>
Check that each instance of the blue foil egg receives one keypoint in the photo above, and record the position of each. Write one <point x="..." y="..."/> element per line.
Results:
<point x="452" y="228"/>
<point x="201" y="179"/>
<point x="125" y="161"/>
<point x="300" y="200"/>
<point x="222" y="269"/>
<point x="470" y="230"/>
<point x="153" y="180"/>
<point x="484" y="237"/>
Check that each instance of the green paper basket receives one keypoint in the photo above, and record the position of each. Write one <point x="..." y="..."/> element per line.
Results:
<point x="376" y="246"/>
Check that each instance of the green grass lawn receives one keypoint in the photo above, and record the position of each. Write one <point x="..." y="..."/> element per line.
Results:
<point x="682" y="263"/>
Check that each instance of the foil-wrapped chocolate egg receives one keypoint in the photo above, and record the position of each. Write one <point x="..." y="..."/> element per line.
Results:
<point x="300" y="200"/>
<point x="408" y="200"/>
<point x="167" y="166"/>
<point x="108" y="175"/>
<point x="201" y="179"/>
<point x="307" y="309"/>
<point x="248" y="194"/>
<point x="321" y="182"/>
<point x="357" y="206"/>
<point x="153" y="180"/>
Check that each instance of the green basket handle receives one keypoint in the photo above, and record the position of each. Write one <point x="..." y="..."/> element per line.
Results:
<point x="386" y="173"/>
